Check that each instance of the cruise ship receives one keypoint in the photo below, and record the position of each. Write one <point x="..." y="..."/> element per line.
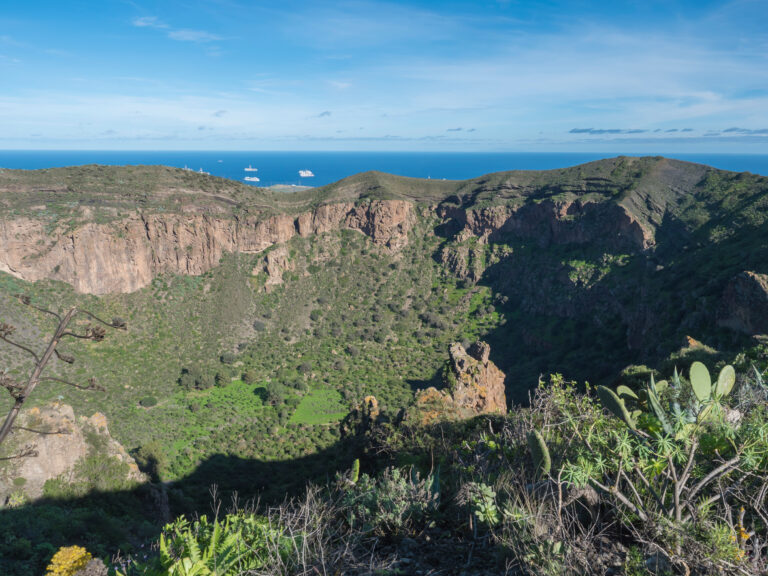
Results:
<point x="251" y="179"/>
<point x="251" y="169"/>
<point x="306" y="173"/>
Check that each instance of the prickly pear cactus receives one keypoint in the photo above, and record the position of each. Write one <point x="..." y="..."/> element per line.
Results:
<point x="354" y="474"/>
<point x="613" y="403"/>
<point x="540" y="452"/>
<point x="701" y="382"/>
<point x="725" y="382"/>
<point x="625" y="393"/>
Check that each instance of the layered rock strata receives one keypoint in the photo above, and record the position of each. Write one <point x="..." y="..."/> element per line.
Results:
<point x="126" y="254"/>
<point x="549" y="222"/>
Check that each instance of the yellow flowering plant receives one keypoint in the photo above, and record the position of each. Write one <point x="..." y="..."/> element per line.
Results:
<point x="68" y="561"/>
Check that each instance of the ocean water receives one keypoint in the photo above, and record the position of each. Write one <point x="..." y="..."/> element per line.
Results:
<point x="327" y="167"/>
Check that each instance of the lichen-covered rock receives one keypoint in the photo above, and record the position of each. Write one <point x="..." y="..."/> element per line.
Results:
<point x="744" y="305"/>
<point x="473" y="385"/>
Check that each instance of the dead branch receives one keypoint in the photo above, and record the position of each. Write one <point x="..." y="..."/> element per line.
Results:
<point x="20" y="392"/>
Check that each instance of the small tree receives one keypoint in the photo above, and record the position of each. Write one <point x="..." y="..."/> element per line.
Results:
<point x="66" y="328"/>
<point x="275" y="392"/>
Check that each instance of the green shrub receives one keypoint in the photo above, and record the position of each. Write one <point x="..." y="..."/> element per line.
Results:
<point x="394" y="503"/>
<point x="148" y="401"/>
<point x="238" y="544"/>
<point x="194" y="378"/>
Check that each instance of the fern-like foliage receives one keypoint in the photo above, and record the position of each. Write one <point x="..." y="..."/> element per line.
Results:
<point x="236" y="545"/>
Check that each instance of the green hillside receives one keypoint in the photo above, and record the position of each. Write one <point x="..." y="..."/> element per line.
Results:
<point x="224" y="379"/>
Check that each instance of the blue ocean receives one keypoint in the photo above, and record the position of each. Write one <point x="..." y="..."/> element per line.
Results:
<point x="319" y="168"/>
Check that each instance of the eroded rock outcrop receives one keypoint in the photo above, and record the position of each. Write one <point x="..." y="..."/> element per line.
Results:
<point x="473" y="385"/>
<point x="549" y="222"/>
<point x="124" y="255"/>
<point x="744" y="305"/>
<point x="276" y="262"/>
<point x="65" y="440"/>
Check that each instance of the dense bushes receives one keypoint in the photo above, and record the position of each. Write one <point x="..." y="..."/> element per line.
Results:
<point x="619" y="492"/>
<point x="193" y="378"/>
<point x="681" y="488"/>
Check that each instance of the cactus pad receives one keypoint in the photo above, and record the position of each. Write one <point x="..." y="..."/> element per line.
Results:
<point x="725" y="381"/>
<point x="625" y="392"/>
<point x="701" y="382"/>
<point x="613" y="403"/>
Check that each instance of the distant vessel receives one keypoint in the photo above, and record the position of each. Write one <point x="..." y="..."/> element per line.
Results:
<point x="251" y="169"/>
<point x="251" y="178"/>
<point x="306" y="173"/>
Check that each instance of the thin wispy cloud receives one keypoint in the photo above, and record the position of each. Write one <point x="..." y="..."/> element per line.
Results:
<point x="180" y="34"/>
<point x="745" y="131"/>
<point x="606" y="131"/>
<point x="199" y="36"/>
<point x="149" y="22"/>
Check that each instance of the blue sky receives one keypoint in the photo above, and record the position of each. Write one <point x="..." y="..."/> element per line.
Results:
<point x="626" y="76"/>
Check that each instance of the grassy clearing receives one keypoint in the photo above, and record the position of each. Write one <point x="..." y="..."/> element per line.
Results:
<point x="320" y="406"/>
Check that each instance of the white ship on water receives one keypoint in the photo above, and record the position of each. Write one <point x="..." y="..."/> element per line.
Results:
<point x="251" y="169"/>
<point x="306" y="174"/>
<point x="251" y="179"/>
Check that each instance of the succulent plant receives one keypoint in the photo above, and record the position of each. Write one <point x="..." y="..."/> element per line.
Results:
<point x="539" y="452"/>
<point x="616" y="405"/>
<point x="626" y="393"/>
<point x="701" y="382"/>
<point x="654" y="401"/>
<point x="725" y="382"/>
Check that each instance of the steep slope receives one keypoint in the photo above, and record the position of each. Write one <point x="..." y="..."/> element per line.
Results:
<point x="308" y="302"/>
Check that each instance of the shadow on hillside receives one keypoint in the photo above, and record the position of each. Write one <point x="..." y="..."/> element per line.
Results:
<point x="638" y="312"/>
<point x="422" y="384"/>
<point x="124" y="520"/>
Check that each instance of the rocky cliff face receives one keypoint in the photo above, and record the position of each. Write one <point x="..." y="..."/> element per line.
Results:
<point x="474" y="386"/>
<point x="744" y="306"/>
<point x="549" y="222"/>
<point x="64" y="441"/>
<point x="125" y="255"/>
